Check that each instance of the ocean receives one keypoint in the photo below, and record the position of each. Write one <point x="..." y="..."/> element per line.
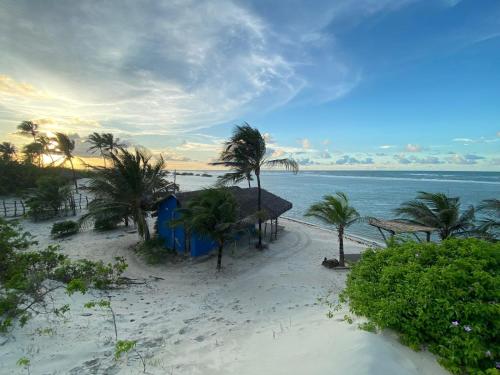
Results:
<point x="372" y="193"/>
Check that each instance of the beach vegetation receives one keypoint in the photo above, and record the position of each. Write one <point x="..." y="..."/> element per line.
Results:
<point x="51" y="195"/>
<point x="336" y="210"/>
<point x="65" y="147"/>
<point x="489" y="220"/>
<point x="127" y="189"/>
<point x="30" y="277"/>
<point x="440" y="211"/>
<point x="105" y="143"/>
<point x="64" y="228"/>
<point x="125" y="347"/>
<point x="25" y="363"/>
<point x="7" y="151"/>
<point x="440" y="296"/>
<point x="245" y="153"/>
<point x="213" y="213"/>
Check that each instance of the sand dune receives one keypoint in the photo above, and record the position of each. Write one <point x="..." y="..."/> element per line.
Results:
<point x="260" y="315"/>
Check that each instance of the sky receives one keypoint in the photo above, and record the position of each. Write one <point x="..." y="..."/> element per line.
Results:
<point x="336" y="84"/>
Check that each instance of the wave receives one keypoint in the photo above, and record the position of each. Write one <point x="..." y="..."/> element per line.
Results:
<point x="405" y="179"/>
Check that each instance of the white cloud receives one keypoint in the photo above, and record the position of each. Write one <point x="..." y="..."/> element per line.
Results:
<point x="413" y="148"/>
<point x="306" y="144"/>
<point x="385" y="147"/>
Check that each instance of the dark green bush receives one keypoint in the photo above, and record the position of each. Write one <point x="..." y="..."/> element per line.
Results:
<point x="154" y="251"/>
<point x="64" y="228"/>
<point x="444" y="297"/>
<point x="51" y="197"/>
<point x="104" y="224"/>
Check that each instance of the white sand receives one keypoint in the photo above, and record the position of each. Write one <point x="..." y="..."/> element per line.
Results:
<point x="259" y="316"/>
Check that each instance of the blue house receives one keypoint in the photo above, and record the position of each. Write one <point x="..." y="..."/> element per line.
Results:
<point x="193" y="244"/>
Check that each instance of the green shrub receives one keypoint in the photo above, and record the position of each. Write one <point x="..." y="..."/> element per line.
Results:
<point x="64" y="228"/>
<point x="104" y="224"/>
<point x="444" y="297"/>
<point x="51" y="197"/>
<point x="154" y="251"/>
<point x="24" y="290"/>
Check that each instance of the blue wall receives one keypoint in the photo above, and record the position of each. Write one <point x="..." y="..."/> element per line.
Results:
<point x="175" y="238"/>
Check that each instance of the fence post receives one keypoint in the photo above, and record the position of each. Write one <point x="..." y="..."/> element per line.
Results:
<point x="4" y="208"/>
<point x="80" y="201"/>
<point x="24" y="208"/>
<point x="15" y="208"/>
<point x="87" y="200"/>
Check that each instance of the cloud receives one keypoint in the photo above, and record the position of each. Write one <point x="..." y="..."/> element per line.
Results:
<point x="306" y="144"/>
<point x="385" y="147"/>
<point x="306" y="162"/>
<point x="413" y="148"/>
<point x="327" y="142"/>
<point x="166" y="67"/>
<point x="10" y="87"/>
<point x="467" y="159"/>
<point x="349" y="160"/>
<point x="412" y="159"/>
<point x="498" y="134"/>
<point x="467" y="141"/>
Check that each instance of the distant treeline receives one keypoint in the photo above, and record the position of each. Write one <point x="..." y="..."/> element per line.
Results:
<point x="193" y="174"/>
<point x="16" y="177"/>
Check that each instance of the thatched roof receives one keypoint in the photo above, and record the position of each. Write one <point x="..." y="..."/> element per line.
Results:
<point x="272" y="205"/>
<point x="398" y="227"/>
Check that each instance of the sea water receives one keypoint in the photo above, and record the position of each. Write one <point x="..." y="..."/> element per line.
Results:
<point x="372" y="193"/>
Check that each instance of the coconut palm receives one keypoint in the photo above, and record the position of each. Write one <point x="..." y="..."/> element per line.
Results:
<point x="66" y="146"/>
<point x="110" y="143"/>
<point x="212" y="213"/>
<point x="8" y="151"/>
<point x="490" y="222"/>
<point x="335" y="210"/>
<point x="437" y="210"/>
<point x="128" y="188"/>
<point x="28" y="128"/>
<point x="97" y="144"/>
<point x="245" y="153"/>
<point x="46" y="143"/>
<point x="33" y="153"/>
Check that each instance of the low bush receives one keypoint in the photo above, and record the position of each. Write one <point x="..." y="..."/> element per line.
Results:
<point x="104" y="224"/>
<point x="444" y="297"/>
<point x="154" y="251"/>
<point x="64" y="228"/>
<point x="50" y="198"/>
<point x="28" y="278"/>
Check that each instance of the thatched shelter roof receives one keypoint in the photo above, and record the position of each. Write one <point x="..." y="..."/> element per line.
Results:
<point x="272" y="205"/>
<point x="397" y="227"/>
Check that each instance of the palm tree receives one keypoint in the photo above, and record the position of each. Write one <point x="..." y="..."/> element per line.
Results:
<point x="66" y="146"/>
<point x="110" y="143"/>
<point x="335" y="210"/>
<point x="33" y="153"/>
<point x="46" y="142"/>
<point x="491" y="219"/>
<point x="245" y="153"/>
<point x="437" y="210"/>
<point x="8" y="151"/>
<point x="128" y="188"/>
<point x="28" y="128"/>
<point x="212" y="213"/>
<point x="97" y="143"/>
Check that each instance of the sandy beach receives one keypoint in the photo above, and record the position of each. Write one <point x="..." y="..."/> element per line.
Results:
<point x="260" y="315"/>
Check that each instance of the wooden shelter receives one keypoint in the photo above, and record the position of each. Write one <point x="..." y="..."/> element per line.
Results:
<point x="247" y="215"/>
<point x="397" y="227"/>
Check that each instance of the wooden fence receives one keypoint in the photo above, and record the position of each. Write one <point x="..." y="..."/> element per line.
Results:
<point x="17" y="208"/>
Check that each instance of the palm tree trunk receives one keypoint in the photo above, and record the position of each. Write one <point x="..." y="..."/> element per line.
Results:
<point x="341" y="246"/>
<point x="74" y="175"/>
<point x="219" y="257"/>
<point x="259" y="205"/>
